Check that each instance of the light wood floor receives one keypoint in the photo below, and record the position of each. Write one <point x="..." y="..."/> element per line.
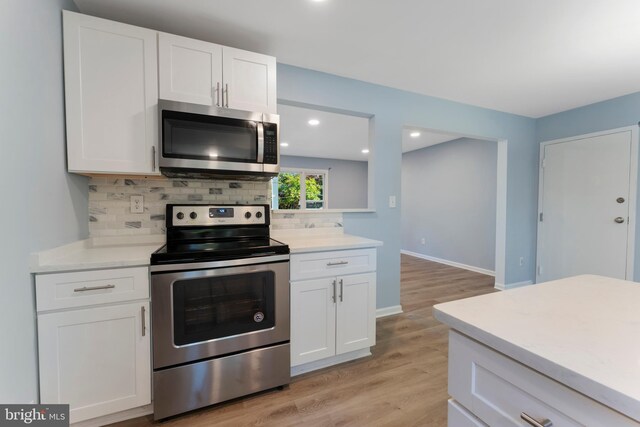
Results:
<point x="404" y="383"/>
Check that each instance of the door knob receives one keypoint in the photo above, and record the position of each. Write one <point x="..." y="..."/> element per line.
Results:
<point x="620" y="200"/>
<point x="619" y="220"/>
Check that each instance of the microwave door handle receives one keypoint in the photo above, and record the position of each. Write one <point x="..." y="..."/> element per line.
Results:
<point x="260" y="143"/>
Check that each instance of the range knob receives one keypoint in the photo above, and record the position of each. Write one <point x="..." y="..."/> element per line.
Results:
<point x="247" y="215"/>
<point x="180" y="215"/>
<point x="193" y="215"/>
<point x="258" y="214"/>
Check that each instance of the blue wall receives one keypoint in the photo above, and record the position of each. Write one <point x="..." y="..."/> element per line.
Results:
<point x="392" y="109"/>
<point x="611" y="114"/>
<point x="48" y="206"/>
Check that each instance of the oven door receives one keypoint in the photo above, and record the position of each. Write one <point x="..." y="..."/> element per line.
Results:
<point x="199" y="137"/>
<point x="210" y="312"/>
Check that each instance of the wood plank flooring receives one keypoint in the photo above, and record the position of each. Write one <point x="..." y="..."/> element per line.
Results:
<point x="404" y="383"/>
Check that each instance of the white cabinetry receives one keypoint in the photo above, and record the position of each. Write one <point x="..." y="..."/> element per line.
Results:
<point x="94" y="347"/>
<point x="206" y="73"/>
<point x="111" y="96"/>
<point x="488" y="387"/>
<point x="333" y="302"/>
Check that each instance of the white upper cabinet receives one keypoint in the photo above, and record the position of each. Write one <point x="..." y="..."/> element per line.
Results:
<point x="249" y="81"/>
<point x="111" y="88"/>
<point x="189" y="70"/>
<point x="206" y="73"/>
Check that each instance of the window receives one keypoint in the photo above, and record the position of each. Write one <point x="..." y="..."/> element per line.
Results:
<point x="299" y="189"/>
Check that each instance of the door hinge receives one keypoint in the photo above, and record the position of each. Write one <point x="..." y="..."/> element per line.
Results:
<point x="541" y="216"/>
<point x="539" y="270"/>
<point x="544" y="162"/>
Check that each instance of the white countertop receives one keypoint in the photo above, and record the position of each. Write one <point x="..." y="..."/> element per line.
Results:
<point x="582" y="331"/>
<point x="103" y="252"/>
<point x="315" y="240"/>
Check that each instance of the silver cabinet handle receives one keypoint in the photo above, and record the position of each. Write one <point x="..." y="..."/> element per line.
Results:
<point x="153" y="158"/>
<point x="333" y="297"/>
<point x="535" y="423"/>
<point x="226" y="89"/>
<point x="619" y="220"/>
<point x="93" y="288"/>
<point x="144" y="321"/>
<point x="329" y="264"/>
<point x="341" y="290"/>
<point x="217" y="94"/>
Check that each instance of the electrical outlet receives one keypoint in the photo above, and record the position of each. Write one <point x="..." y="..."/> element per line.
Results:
<point x="392" y="201"/>
<point x="137" y="204"/>
<point x="423" y="241"/>
<point x="521" y="261"/>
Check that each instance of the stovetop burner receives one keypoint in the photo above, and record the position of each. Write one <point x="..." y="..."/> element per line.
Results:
<point x="197" y="233"/>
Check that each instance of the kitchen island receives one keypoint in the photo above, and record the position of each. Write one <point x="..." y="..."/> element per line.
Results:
<point x="565" y="352"/>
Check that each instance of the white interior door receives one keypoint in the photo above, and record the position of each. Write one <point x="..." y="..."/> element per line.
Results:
<point x="586" y="201"/>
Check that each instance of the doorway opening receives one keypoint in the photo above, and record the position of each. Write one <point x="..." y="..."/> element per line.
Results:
<point x="454" y="200"/>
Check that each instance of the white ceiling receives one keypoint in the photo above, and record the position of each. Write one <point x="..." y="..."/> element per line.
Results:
<point x="532" y="58"/>
<point x="338" y="136"/>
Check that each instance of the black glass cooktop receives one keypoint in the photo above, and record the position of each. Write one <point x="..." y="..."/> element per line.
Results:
<point x="202" y="251"/>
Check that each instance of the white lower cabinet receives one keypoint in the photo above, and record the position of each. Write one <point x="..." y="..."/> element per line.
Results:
<point x="332" y="315"/>
<point x="489" y="388"/>
<point x="96" y="358"/>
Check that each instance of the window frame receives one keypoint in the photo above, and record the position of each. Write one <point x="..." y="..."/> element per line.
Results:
<point x="303" y="172"/>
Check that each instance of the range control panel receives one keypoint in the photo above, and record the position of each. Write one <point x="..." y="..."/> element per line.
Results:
<point x="212" y="215"/>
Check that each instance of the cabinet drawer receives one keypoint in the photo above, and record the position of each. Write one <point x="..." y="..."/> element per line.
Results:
<point x="498" y="390"/>
<point x="459" y="416"/>
<point x="332" y="263"/>
<point x="67" y="290"/>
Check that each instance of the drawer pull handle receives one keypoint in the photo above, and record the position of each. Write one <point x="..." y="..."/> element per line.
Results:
<point x="330" y="264"/>
<point x="93" y="288"/>
<point x="535" y="423"/>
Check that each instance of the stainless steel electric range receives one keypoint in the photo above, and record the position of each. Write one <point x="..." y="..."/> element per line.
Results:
<point x="220" y="307"/>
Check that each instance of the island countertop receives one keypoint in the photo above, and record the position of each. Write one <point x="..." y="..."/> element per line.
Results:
<point x="583" y="332"/>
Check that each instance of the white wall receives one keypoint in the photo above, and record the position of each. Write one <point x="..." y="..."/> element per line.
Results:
<point x="42" y="206"/>
<point x="347" y="179"/>
<point x="449" y="198"/>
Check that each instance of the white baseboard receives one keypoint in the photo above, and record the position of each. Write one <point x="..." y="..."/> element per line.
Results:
<point x="451" y="263"/>
<point x="504" y="287"/>
<point x="117" y="417"/>
<point x="329" y="361"/>
<point x="388" y="311"/>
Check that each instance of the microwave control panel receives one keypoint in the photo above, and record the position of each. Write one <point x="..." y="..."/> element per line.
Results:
<point x="271" y="143"/>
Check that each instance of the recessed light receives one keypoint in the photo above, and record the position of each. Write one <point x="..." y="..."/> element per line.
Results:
<point x="414" y="134"/>
<point x="284" y="144"/>
<point x="365" y="151"/>
<point x="314" y="122"/>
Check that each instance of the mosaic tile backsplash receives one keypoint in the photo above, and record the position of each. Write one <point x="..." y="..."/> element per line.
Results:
<point x="110" y="205"/>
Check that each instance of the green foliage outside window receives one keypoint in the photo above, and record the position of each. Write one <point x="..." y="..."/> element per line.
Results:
<point x="289" y="191"/>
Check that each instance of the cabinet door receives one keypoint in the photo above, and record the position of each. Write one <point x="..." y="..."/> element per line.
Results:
<point x="97" y="360"/>
<point x="356" y="315"/>
<point x="189" y="70"/>
<point x="111" y="89"/>
<point x="249" y="81"/>
<point x="313" y="320"/>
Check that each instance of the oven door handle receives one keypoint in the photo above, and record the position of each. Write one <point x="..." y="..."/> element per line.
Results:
<point x="218" y="264"/>
<point x="260" y="142"/>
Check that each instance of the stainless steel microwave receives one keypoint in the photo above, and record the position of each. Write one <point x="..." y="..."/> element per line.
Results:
<point x="200" y="141"/>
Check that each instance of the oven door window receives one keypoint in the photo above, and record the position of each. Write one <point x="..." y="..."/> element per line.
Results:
<point x="222" y="306"/>
<point x="199" y="137"/>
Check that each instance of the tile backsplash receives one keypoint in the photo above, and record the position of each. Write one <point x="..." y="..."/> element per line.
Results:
<point x="110" y="205"/>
